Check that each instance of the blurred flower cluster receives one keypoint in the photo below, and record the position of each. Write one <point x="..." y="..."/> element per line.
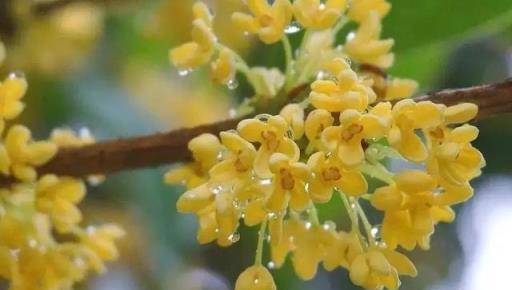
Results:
<point x="42" y="244"/>
<point x="335" y="138"/>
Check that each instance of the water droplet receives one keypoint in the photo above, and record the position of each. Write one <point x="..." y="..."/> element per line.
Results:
<point x="232" y="113"/>
<point x="242" y="215"/>
<point x="263" y="117"/>
<point x="79" y="262"/>
<point x="246" y="33"/>
<point x="217" y="230"/>
<point x="234" y="237"/>
<point x="256" y="280"/>
<point x="32" y="243"/>
<point x="271" y="265"/>
<point x="375" y="232"/>
<point x="16" y="75"/>
<point x="294" y="27"/>
<point x="90" y="230"/>
<point x="308" y="225"/>
<point x="14" y="252"/>
<point x="268" y="238"/>
<point x="218" y="189"/>
<point x="220" y="156"/>
<point x="271" y="215"/>
<point x="329" y="225"/>
<point x="266" y="181"/>
<point x="322" y="75"/>
<point x="184" y="72"/>
<point x="233" y="84"/>
<point x="351" y="35"/>
<point x="322" y="6"/>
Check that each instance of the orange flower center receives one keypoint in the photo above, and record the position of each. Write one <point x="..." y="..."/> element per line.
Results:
<point x="351" y="131"/>
<point x="287" y="181"/>
<point x="271" y="140"/>
<point x="331" y="174"/>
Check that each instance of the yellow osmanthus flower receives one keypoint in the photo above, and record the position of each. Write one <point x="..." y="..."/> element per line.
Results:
<point x="101" y="241"/>
<point x="223" y="69"/>
<point x="330" y="174"/>
<point x="11" y="91"/>
<point x="24" y="154"/>
<point x="199" y="51"/>
<point x="407" y="117"/>
<point x="293" y="114"/>
<point x="289" y="182"/>
<point x="256" y="277"/>
<point x="360" y="9"/>
<point x="378" y="268"/>
<point x="317" y="15"/>
<point x="268" y="21"/>
<point x="347" y="92"/>
<point x="315" y="124"/>
<point x="272" y="135"/>
<point x="452" y="157"/>
<point x="266" y="82"/>
<point x="58" y="198"/>
<point x="345" y="140"/>
<point x="64" y="137"/>
<point x="205" y="150"/>
<point x="366" y="47"/>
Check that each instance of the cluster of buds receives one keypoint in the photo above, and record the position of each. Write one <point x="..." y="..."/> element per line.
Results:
<point x="274" y="169"/>
<point x="42" y="245"/>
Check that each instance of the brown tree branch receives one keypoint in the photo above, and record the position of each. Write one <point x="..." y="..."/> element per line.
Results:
<point x="165" y="148"/>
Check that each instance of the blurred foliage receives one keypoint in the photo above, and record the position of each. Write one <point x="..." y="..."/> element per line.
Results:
<point x="115" y="78"/>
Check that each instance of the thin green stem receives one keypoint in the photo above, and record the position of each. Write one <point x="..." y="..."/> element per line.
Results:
<point x="289" y="61"/>
<point x="378" y="171"/>
<point x="313" y="215"/>
<point x="341" y="23"/>
<point x="350" y="211"/>
<point x="366" y="223"/>
<point x="259" y="249"/>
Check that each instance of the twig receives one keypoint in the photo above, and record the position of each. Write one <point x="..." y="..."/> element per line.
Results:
<point x="164" y="148"/>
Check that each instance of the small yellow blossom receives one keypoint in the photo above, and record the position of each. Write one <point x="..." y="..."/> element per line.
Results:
<point x="223" y="69"/>
<point x="294" y="116"/>
<point x="347" y="92"/>
<point x="199" y="51"/>
<point x="452" y="157"/>
<point x="268" y="21"/>
<point x="58" y="198"/>
<point x="289" y="180"/>
<point x="345" y="140"/>
<point x="397" y="89"/>
<point x="256" y="277"/>
<point x="272" y="135"/>
<point x="378" y="268"/>
<point x="407" y="117"/>
<point x="317" y="15"/>
<point x="101" y="241"/>
<point x="360" y="9"/>
<point x="315" y="124"/>
<point x="266" y="82"/>
<point x="25" y="154"/>
<point x="330" y="174"/>
<point x="205" y="151"/>
<point x="68" y="138"/>
<point x="11" y="92"/>
<point x="344" y="251"/>
<point x="366" y="47"/>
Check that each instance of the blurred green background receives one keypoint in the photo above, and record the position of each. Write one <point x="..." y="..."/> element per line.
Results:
<point x="103" y="65"/>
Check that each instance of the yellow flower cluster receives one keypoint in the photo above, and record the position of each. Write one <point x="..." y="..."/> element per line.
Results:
<point x="42" y="245"/>
<point x="274" y="169"/>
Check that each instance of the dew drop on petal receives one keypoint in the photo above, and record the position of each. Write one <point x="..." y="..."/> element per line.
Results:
<point x="292" y="28"/>
<point x="184" y="72"/>
<point x="232" y="84"/>
<point x="234" y="237"/>
<point x="271" y="265"/>
<point x="308" y="225"/>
